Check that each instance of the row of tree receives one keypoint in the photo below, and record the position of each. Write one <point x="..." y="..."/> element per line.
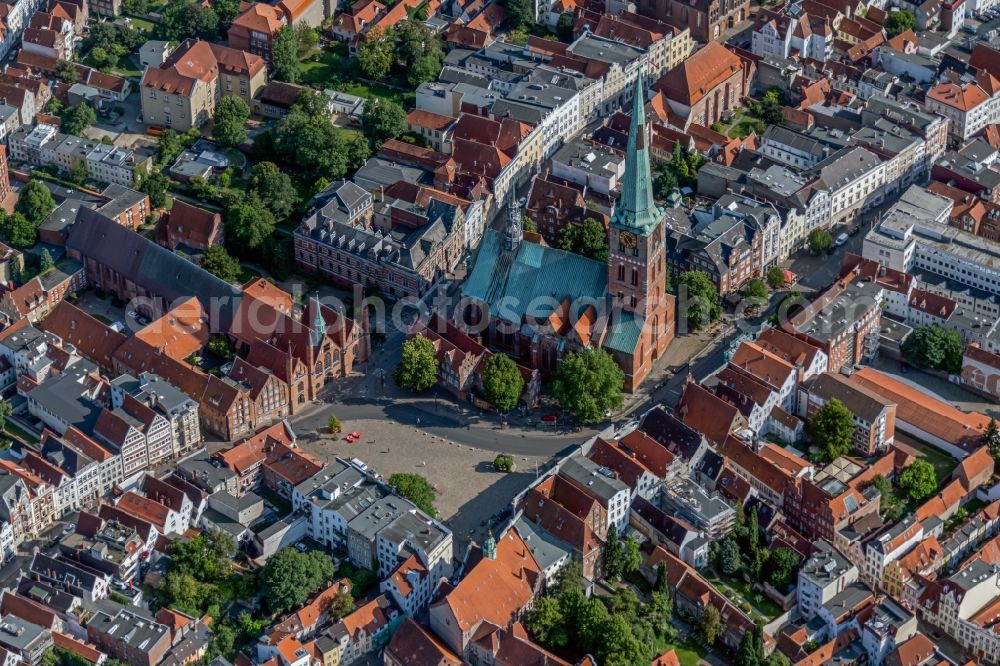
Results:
<point x="617" y="630"/>
<point x="587" y="382"/>
<point x="409" y="48"/>
<point x="20" y="229"/>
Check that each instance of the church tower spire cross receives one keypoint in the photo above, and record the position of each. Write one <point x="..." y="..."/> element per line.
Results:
<point x="636" y="210"/>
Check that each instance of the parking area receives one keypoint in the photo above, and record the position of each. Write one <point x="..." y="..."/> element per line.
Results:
<point x="469" y="491"/>
<point x="108" y="311"/>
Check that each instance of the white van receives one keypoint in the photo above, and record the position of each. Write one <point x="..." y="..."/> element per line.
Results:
<point x="841" y="239"/>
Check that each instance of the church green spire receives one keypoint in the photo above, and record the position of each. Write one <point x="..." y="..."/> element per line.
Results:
<point x="635" y="209"/>
<point x="318" y="324"/>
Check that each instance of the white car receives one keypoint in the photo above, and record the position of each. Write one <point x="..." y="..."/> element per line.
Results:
<point x="133" y="314"/>
<point x="841" y="239"/>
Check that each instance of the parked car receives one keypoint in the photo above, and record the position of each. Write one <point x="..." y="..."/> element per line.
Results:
<point x="841" y="239"/>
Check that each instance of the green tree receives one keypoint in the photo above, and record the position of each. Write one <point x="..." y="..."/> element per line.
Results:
<point x="618" y="645"/>
<point x="589" y="239"/>
<point x="77" y="118"/>
<point x="156" y="185"/>
<point x="547" y="624"/>
<point x="588" y="383"/>
<point x="729" y="557"/>
<point x="223" y="640"/>
<point x="248" y="221"/>
<point x="221" y="264"/>
<point x="226" y="11"/>
<point x="425" y="68"/>
<point x="503" y="463"/>
<point x="820" y="241"/>
<point x="621" y="557"/>
<point x="382" y="119"/>
<point x="777" y="659"/>
<point x="782" y="565"/>
<point x="169" y="146"/>
<point x="900" y="21"/>
<point x="702" y="299"/>
<point x="231" y="115"/>
<point x="756" y="289"/>
<point x="776" y="277"/>
<point x="746" y="654"/>
<point x="221" y="347"/>
<point x="333" y="424"/>
<point x="418" y="365"/>
<point x="520" y="13"/>
<point x="285" y="55"/>
<point x="375" y="54"/>
<point x="77" y="173"/>
<point x="502" y="382"/>
<point x="188" y="18"/>
<point x="45" y="262"/>
<point x="35" y="202"/>
<point x="919" y="480"/>
<point x="306" y="37"/>
<point x="991" y="438"/>
<point x="66" y="71"/>
<point x="289" y="578"/>
<point x="17" y="231"/>
<point x="275" y="188"/>
<point x="832" y="429"/>
<point x="415" y="488"/>
<point x="206" y="557"/>
<point x="710" y="625"/>
<point x="564" y="28"/>
<point x="135" y="6"/>
<point x="660" y="585"/>
<point x="934" y="347"/>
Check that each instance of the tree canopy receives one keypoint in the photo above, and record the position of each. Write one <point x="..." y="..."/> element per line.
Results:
<point x="589" y="239"/>
<point x="935" y="348"/>
<point x="415" y="488"/>
<point x="502" y="382"/>
<point x="588" y="383"/>
<point x="221" y="264"/>
<point x="900" y="21"/>
<point x="16" y="230"/>
<point x="77" y="118"/>
<point x="918" y="479"/>
<point x="248" y="221"/>
<point x="285" y="55"/>
<point x="275" y="188"/>
<point x="382" y="120"/>
<point x="832" y="429"/>
<point x="702" y="299"/>
<point x="231" y="115"/>
<point x="188" y="18"/>
<point x="375" y="54"/>
<point x="289" y="578"/>
<point x="35" y="202"/>
<point x="418" y="366"/>
<point x="819" y="241"/>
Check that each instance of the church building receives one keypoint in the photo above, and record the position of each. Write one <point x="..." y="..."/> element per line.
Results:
<point x="536" y="303"/>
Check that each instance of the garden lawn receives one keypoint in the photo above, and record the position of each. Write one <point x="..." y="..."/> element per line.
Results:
<point x="322" y="73"/>
<point x="14" y="430"/>
<point x="689" y="652"/>
<point x="943" y="463"/>
<point x="141" y="23"/>
<point x="368" y="91"/>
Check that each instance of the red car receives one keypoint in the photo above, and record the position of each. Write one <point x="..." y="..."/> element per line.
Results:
<point x="550" y="418"/>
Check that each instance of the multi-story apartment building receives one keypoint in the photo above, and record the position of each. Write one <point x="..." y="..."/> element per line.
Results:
<point x="183" y="91"/>
<point x="129" y="637"/>
<point x="874" y="416"/>
<point x="843" y="321"/>
<point x="823" y="576"/>
<point x="707" y="19"/>
<point x="43" y="144"/>
<point x="969" y="105"/>
<point x="180" y="410"/>
<point x="916" y="236"/>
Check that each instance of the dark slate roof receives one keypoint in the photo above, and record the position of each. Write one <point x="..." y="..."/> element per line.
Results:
<point x="678" y="437"/>
<point x="152" y="267"/>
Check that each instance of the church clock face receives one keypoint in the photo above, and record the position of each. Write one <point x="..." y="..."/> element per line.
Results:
<point x="627" y="239"/>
